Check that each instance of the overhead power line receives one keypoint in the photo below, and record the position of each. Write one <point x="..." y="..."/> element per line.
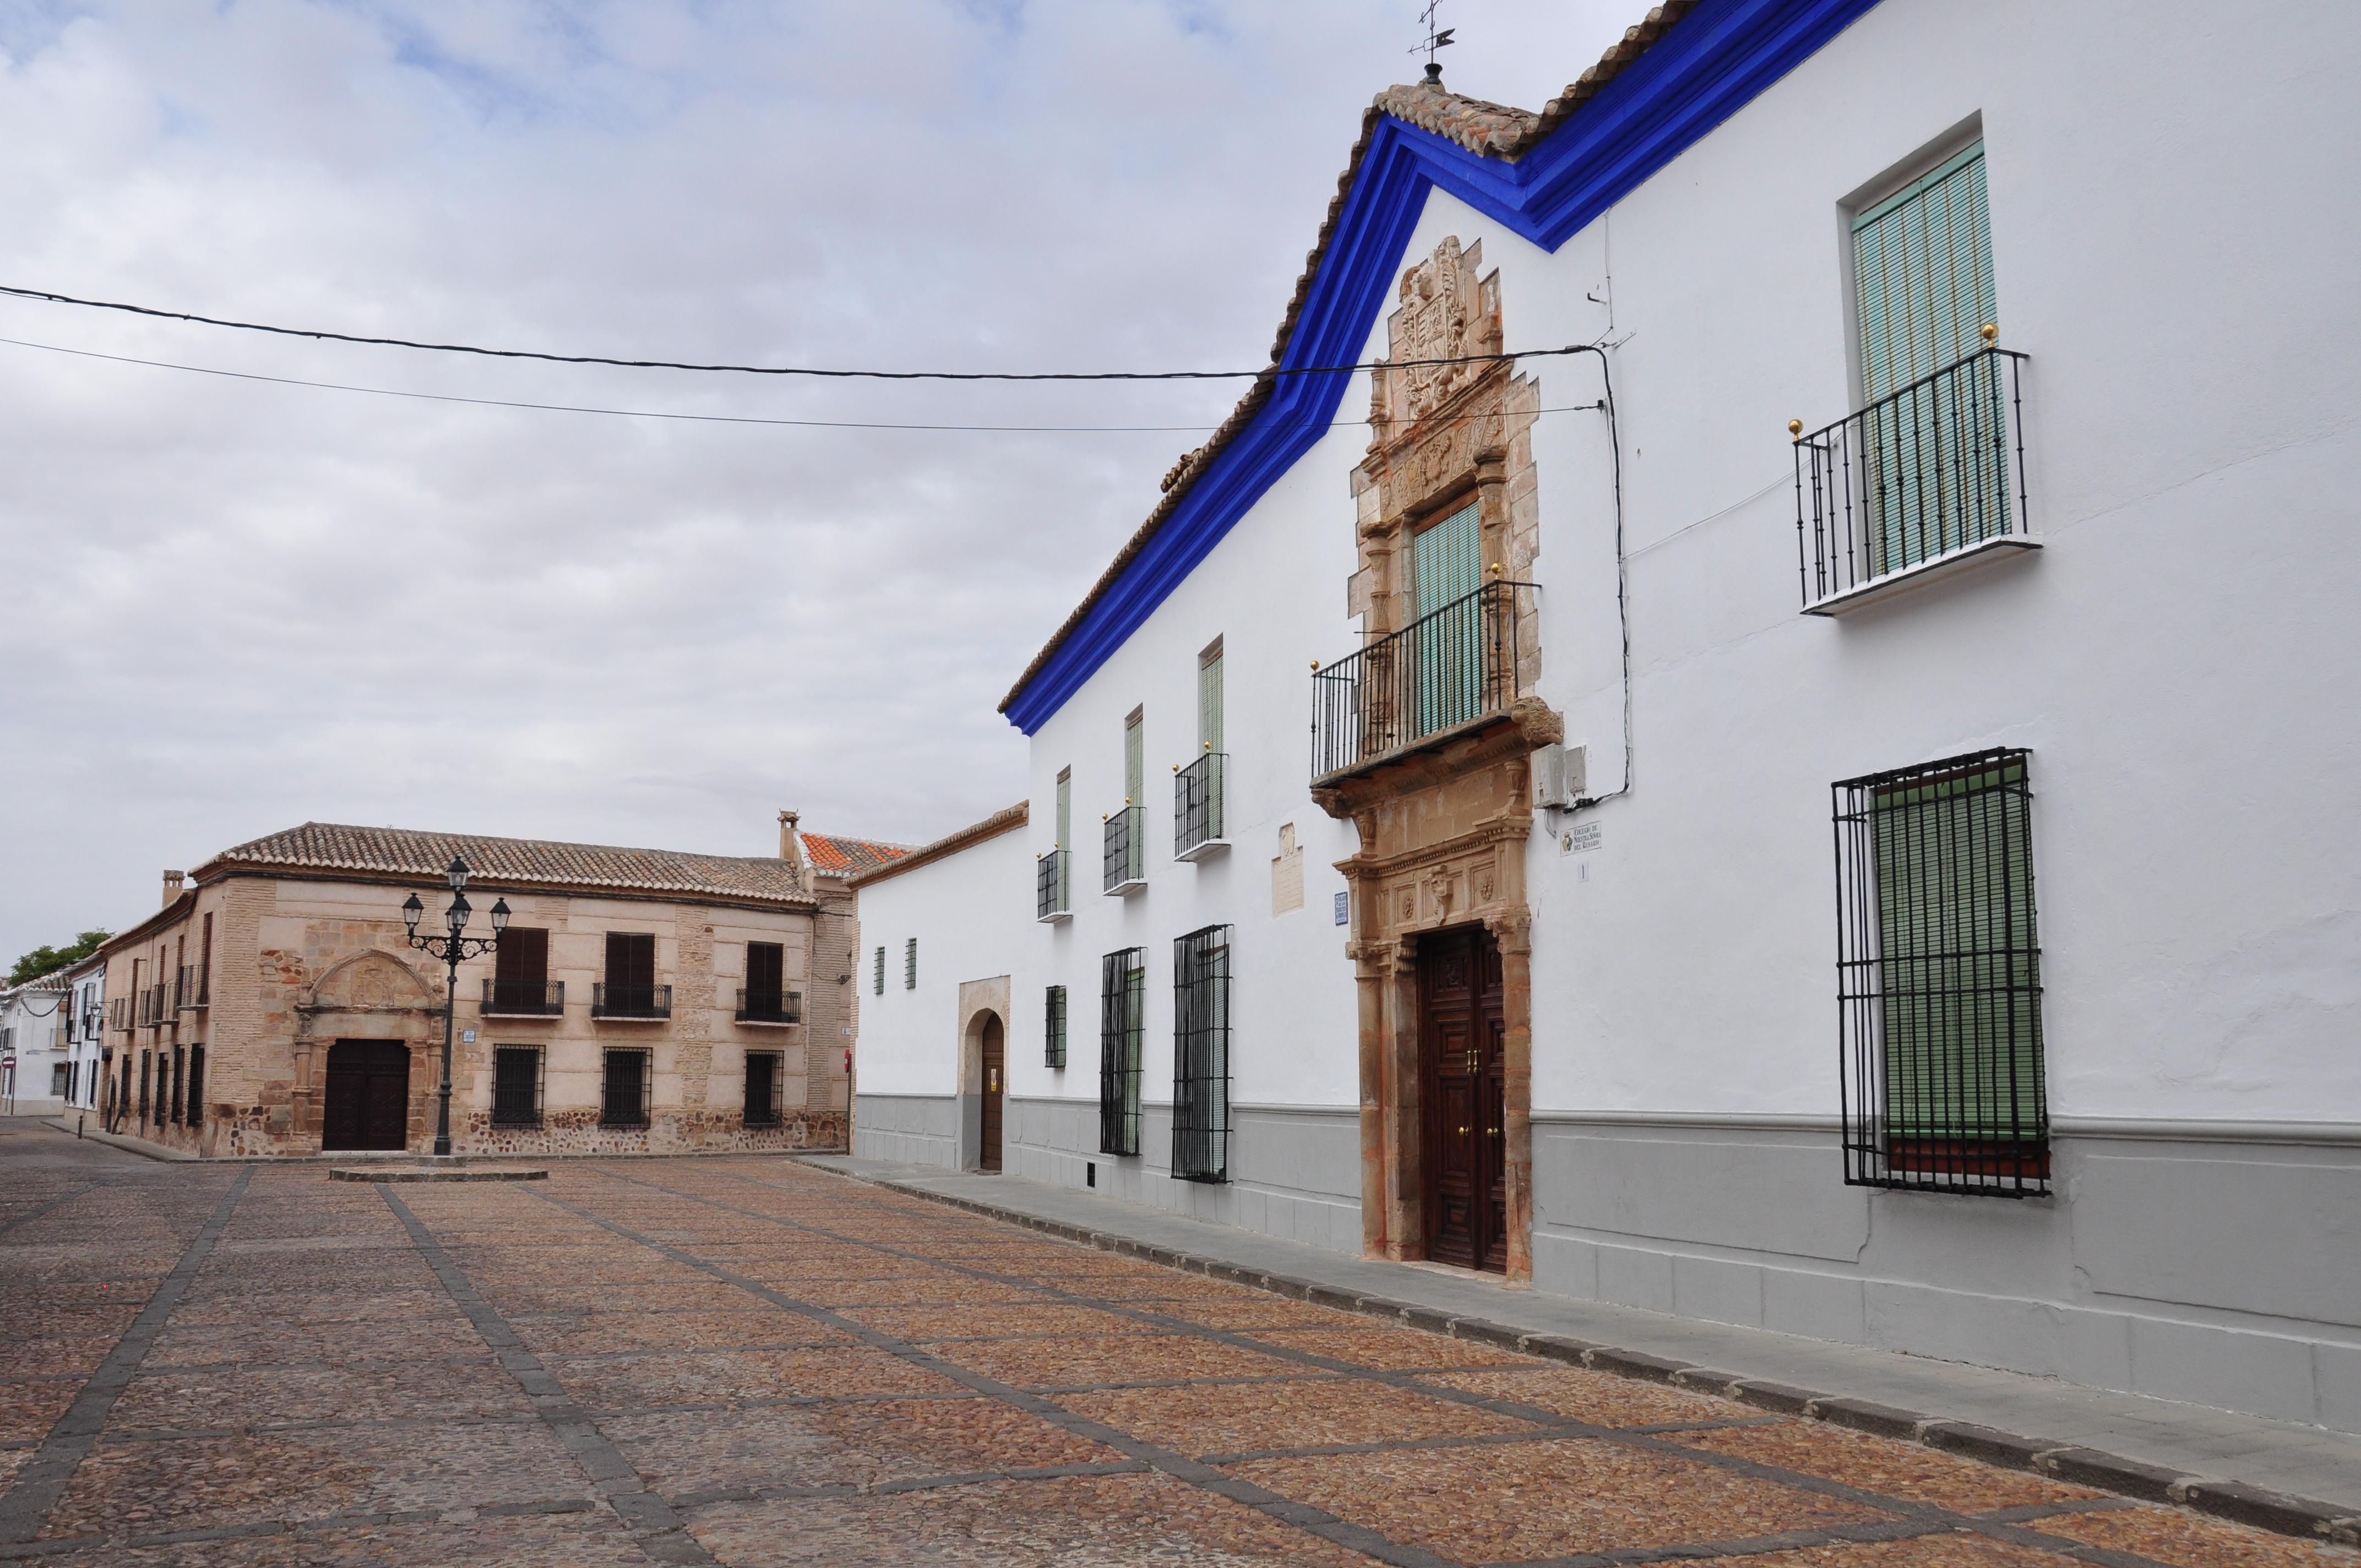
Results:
<point x="816" y="371"/>
<point x="690" y="418"/>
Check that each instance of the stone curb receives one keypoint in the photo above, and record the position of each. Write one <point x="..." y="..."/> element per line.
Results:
<point x="2233" y="1500"/>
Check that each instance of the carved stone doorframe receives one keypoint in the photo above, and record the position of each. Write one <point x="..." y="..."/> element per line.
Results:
<point x="1442" y="829"/>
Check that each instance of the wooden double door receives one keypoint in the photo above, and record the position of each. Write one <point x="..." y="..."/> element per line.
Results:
<point x="1462" y="1051"/>
<point x="366" y="1101"/>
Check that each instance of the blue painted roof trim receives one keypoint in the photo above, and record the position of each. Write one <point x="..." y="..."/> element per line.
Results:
<point x="1709" y="65"/>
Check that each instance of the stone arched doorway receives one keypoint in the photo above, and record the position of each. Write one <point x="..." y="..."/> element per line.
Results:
<point x="983" y="1074"/>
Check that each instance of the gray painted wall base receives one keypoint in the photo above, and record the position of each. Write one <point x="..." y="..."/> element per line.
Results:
<point x="1294" y="1171"/>
<point x="908" y="1129"/>
<point x="2220" y="1271"/>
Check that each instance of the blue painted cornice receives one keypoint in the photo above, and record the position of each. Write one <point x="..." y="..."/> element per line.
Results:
<point x="1706" y="67"/>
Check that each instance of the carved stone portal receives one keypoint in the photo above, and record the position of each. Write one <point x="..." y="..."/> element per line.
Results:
<point x="1442" y="832"/>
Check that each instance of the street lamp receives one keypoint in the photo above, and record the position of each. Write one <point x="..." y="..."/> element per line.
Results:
<point x="452" y="950"/>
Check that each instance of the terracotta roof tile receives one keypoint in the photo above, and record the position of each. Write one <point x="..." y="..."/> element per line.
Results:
<point x="832" y="856"/>
<point x="330" y="846"/>
<point x="1492" y="130"/>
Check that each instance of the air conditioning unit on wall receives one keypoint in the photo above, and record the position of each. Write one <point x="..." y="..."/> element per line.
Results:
<point x="1559" y="777"/>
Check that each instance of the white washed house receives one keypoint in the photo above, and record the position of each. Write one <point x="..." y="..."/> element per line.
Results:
<point x="36" y="1060"/>
<point x="1843" y="814"/>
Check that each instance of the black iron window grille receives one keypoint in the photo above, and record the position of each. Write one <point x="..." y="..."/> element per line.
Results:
<point x="195" y="1111"/>
<point x="1939" y="980"/>
<point x="910" y="964"/>
<point x="1053" y="1029"/>
<point x="624" y="1103"/>
<point x="516" y="1086"/>
<point x="1197" y="821"/>
<point x="1122" y="1021"/>
<point x="609" y="1000"/>
<point x="180" y="1083"/>
<point x="881" y="970"/>
<point x="524" y="998"/>
<point x="765" y="1077"/>
<point x="1053" y="886"/>
<point x="1200" y="1055"/>
<point x="146" y="1068"/>
<point x="1448" y="669"/>
<point x="1931" y="471"/>
<point x="1126" y="857"/>
<point x="770" y="1006"/>
<point x="119" y="1012"/>
<point x="194" y="978"/>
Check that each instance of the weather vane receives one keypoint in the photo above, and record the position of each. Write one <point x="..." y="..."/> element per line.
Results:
<point x="1436" y="39"/>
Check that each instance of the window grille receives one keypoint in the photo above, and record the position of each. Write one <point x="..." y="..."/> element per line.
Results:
<point x="196" y="1106"/>
<point x="146" y="1069"/>
<point x="1197" y="806"/>
<point x="516" y="1086"/>
<point x="59" y="1089"/>
<point x="1123" y="862"/>
<point x="1200" y="1055"/>
<point x="180" y="1081"/>
<point x="1053" y="1029"/>
<point x="1939" y="979"/>
<point x="881" y="969"/>
<point x="910" y="964"/>
<point x="1123" y="1007"/>
<point x="1051" y="886"/>
<point x="625" y="1101"/>
<point x="764" y="1078"/>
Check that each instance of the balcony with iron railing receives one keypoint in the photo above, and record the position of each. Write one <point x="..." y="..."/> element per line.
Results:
<point x="1198" y="829"/>
<point x="1053" y="886"/>
<point x="196" y="986"/>
<point x="119" y="1013"/>
<point x="1922" y="482"/>
<point x="155" y="1003"/>
<point x="1448" y="674"/>
<point x="524" y="998"/>
<point x="1126" y="861"/>
<point x="770" y="1007"/>
<point x="631" y="1001"/>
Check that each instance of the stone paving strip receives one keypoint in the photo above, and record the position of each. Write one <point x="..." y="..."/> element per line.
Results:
<point x="2229" y="1500"/>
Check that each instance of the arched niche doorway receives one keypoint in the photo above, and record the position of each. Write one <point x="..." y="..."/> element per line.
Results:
<point x="984" y="1084"/>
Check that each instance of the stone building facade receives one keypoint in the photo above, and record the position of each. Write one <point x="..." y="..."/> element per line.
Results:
<point x="640" y="1001"/>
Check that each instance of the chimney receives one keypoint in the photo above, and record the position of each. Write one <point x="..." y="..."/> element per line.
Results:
<point x="791" y="848"/>
<point x="172" y="881"/>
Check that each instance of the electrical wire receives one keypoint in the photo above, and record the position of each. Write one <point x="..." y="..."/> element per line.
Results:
<point x="1622" y="572"/>
<point x="1266" y="373"/>
<point x="698" y="419"/>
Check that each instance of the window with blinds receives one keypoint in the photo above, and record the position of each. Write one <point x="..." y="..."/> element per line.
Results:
<point x="1200" y="1055"/>
<point x="1940" y="984"/>
<point x="1445" y="642"/>
<point x="1123" y="1020"/>
<point x="1935" y="425"/>
<point x="1053" y="1029"/>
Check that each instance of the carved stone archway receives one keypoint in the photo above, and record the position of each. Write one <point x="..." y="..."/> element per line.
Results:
<point x="1443" y="825"/>
<point x="372" y="995"/>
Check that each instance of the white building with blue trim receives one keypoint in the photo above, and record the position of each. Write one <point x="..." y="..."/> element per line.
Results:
<point x="1795" y="768"/>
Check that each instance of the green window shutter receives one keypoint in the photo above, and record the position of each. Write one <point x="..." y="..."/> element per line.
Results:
<point x="1924" y="291"/>
<point x="1959" y="957"/>
<point x="1065" y="808"/>
<point x="1446" y="641"/>
<point x="1135" y="761"/>
<point x="1209" y="702"/>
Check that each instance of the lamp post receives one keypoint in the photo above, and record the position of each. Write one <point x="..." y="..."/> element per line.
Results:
<point x="451" y="949"/>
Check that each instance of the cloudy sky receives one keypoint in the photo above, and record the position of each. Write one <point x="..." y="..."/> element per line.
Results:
<point x="232" y="605"/>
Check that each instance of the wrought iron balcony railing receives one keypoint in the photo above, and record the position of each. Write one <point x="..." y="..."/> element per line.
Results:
<point x="524" y="998"/>
<point x="1053" y="886"/>
<point x="119" y="1012"/>
<point x="156" y="1005"/>
<point x="1197" y="825"/>
<point x="196" y="987"/>
<point x="1450" y="668"/>
<point x="630" y="1001"/>
<point x="770" y="1006"/>
<point x="1923" y="479"/>
<point x="1127" y="846"/>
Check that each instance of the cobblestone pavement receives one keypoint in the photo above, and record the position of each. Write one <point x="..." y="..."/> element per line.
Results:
<point x="744" y="1361"/>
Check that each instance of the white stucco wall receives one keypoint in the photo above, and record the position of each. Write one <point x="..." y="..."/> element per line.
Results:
<point x="970" y="912"/>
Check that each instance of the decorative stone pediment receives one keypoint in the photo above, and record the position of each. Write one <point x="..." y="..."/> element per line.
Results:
<point x="369" y="982"/>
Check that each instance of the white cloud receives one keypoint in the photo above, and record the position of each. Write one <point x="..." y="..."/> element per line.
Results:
<point x="235" y="605"/>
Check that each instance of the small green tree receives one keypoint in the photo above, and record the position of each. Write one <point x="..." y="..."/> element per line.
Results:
<point x="46" y="959"/>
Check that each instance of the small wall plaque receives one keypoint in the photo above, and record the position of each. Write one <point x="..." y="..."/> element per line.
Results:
<point x="1344" y="909"/>
<point x="1579" y="840"/>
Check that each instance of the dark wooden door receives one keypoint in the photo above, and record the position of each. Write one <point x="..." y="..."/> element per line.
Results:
<point x="996" y="1086"/>
<point x="1462" y="1053"/>
<point x="366" y="1103"/>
